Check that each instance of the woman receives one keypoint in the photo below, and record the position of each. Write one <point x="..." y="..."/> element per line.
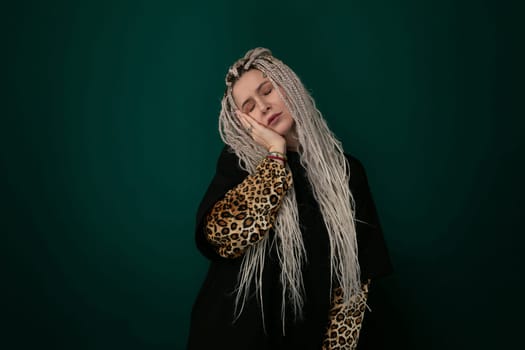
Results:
<point x="288" y="223"/>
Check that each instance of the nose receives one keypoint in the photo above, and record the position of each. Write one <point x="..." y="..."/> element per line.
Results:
<point x="264" y="106"/>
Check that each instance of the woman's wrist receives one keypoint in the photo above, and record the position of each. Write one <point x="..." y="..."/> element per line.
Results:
<point x="278" y="148"/>
<point x="277" y="153"/>
<point x="277" y="156"/>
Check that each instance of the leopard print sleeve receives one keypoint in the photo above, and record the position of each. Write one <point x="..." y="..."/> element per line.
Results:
<point x="248" y="210"/>
<point x="345" y="320"/>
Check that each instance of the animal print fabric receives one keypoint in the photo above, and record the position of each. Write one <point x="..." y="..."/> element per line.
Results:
<point x="248" y="211"/>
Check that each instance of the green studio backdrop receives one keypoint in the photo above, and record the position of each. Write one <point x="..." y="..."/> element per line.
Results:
<point x="109" y="140"/>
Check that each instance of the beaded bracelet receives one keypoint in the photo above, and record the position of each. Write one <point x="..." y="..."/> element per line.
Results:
<point x="278" y="154"/>
<point x="276" y="157"/>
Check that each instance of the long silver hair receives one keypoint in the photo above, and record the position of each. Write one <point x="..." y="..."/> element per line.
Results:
<point x="328" y="172"/>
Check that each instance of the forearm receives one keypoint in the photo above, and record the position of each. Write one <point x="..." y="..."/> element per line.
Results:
<point x="248" y="211"/>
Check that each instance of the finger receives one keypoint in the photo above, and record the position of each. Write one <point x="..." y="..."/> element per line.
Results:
<point x="252" y="122"/>
<point x="250" y="119"/>
<point x="242" y="119"/>
<point x="246" y="122"/>
<point x="242" y="116"/>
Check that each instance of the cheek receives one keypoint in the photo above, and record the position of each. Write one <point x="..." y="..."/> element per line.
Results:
<point x="284" y="106"/>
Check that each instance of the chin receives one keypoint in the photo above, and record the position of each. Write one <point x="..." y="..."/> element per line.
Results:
<point x="282" y="131"/>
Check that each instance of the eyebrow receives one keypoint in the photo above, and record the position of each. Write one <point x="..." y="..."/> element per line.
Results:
<point x="257" y="90"/>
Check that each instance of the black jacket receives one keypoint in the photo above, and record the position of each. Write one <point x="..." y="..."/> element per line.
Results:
<point x="212" y="315"/>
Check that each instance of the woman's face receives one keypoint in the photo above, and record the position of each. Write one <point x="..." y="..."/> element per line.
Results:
<point x="255" y="95"/>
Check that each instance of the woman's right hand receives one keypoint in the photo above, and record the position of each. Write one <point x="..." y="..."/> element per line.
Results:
<point x="261" y="134"/>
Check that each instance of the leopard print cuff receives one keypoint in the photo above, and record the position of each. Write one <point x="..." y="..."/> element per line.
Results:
<point x="345" y="320"/>
<point x="248" y="211"/>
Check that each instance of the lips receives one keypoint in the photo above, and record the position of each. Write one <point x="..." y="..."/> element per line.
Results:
<point x="274" y="117"/>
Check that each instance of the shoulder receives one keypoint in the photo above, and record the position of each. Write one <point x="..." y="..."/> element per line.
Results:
<point x="357" y="171"/>
<point x="228" y="165"/>
<point x="354" y="162"/>
<point x="227" y="156"/>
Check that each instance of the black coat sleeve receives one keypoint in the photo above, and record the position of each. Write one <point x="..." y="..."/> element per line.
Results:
<point x="373" y="254"/>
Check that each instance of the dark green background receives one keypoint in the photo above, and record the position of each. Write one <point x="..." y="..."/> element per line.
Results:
<point x="109" y="139"/>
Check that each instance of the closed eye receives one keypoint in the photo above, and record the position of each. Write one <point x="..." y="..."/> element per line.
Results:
<point x="264" y="89"/>
<point x="267" y="90"/>
<point x="249" y="106"/>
